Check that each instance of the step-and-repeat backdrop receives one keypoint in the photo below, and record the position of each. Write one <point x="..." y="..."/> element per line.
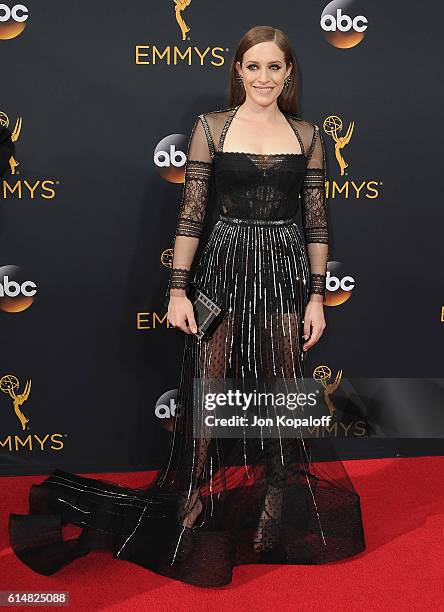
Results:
<point x="99" y="99"/>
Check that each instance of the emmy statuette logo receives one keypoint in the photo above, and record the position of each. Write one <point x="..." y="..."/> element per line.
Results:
<point x="343" y="423"/>
<point x="322" y="374"/>
<point x="175" y="54"/>
<point x="4" y="122"/>
<point x="166" y="258"/>
<point x="9" y="384"/>
<point x="17" y="185"/>
<point x="348" y="187"/>
<point x="25" y="440"/>
<point x="333" y="126"/>
<point x="180" y="6"/>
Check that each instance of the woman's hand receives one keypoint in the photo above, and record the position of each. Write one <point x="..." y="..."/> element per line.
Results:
<point x="181" y="314"/>
<point x="314" y="321"/>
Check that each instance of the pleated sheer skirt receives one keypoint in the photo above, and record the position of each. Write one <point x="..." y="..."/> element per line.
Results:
<point x="263" y="497"/>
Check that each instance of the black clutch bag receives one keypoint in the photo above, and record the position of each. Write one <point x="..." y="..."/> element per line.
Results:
<point x="207" y="313"/>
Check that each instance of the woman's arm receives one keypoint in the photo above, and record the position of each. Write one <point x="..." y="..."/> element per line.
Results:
<point x="314" y="215"/>
<point x="315" y="219"/>
<point x="195" y="194"/>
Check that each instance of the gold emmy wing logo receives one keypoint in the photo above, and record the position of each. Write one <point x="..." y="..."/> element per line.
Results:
<point x="322" y="374"/>
<point x="4" y="122"/>
<point x="332" y="126"/>
<point x="181" y="5"/>
<point x="9" y="384"/>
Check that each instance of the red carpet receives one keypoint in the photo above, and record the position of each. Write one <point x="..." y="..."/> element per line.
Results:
<point x="402" y="504"/>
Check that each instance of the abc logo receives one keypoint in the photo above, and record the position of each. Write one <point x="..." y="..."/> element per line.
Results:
<point x="340" y="29"/>
<point x="18" y="13"/>
<point x="339" y="285"/>
<point x="13" y="289"/>
<point x="346" y="283"/>
<point x="167" y="409"/>
<point x="16" y="294"/>
<point x="343" y="23"/>
<point x="12" y="20"/>
<point x="170" y="157"/>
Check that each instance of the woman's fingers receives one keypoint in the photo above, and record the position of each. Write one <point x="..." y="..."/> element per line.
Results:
<point x="307" y="327"/>
<point x="181" y="316"/>
<point x="191" y="320"/>
<point x="316" y="333"/>
<point x="182" y="323"/>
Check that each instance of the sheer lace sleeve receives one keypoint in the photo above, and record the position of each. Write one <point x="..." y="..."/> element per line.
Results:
<point x="195" y="194"/>
<point x="314" y="215"/>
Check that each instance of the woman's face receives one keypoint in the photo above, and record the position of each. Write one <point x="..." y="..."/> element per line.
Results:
<point x="263" y="70"/>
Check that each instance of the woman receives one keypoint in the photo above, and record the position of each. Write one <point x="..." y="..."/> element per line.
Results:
<point x="222" y="501"/>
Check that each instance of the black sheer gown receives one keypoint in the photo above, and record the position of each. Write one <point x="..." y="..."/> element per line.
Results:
<point x="223" y="502"/>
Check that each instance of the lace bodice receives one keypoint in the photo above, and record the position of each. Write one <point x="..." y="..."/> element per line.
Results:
<point x="252" y="185"/>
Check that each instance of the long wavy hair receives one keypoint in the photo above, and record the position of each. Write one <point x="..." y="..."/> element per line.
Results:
<point x="288" y="100"/>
